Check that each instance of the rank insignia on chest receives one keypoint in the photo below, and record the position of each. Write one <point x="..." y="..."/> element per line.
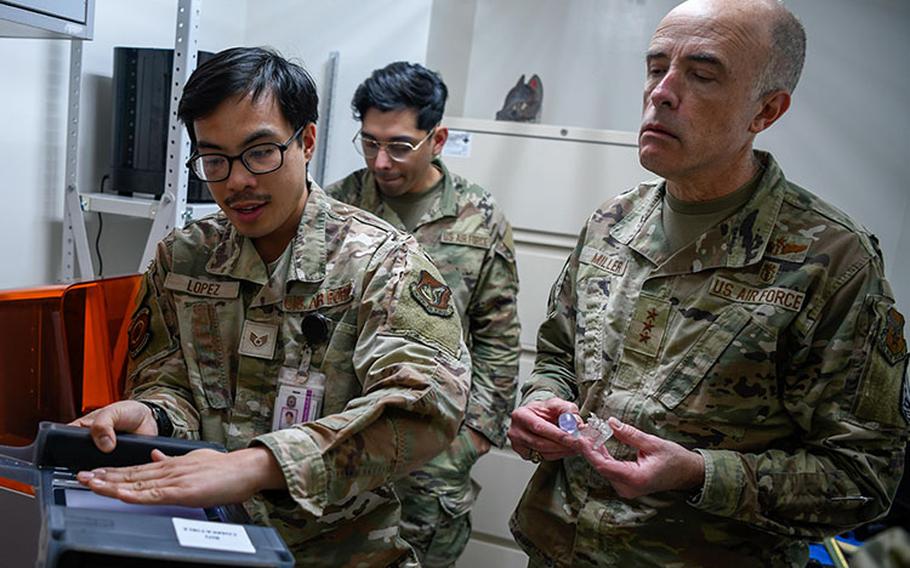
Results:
<point x="258" y="339"/>
<point x="892" y="343"/>
<point x="432" y="295"/>
<point x="646" y="332"/>
<point x="139" y="331"/>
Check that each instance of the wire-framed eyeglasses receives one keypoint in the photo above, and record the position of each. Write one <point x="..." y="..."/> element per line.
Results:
<point x="399" y="151"/>
<point x="260" y="159"/>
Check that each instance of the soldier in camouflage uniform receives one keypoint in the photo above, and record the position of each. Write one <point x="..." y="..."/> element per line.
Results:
<point x="751" y="369"/>
<point x="284" y="285"/>
<point x="469" y="239"/>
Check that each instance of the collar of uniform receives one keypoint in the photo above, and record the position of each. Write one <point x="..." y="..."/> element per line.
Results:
<point x="446" y="206"/>
<point x="309" y="255"/>
<point x="745" y="234"/>
<point x="235" y="256"/>
<point x="751" y="227"/>
<point x="629" y="227"/>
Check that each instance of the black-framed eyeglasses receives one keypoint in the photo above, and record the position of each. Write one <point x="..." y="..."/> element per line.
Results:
<point x="398" y="150"/>
<point x="259" y="159"/>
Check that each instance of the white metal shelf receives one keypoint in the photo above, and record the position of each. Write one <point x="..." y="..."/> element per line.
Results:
<point x="171" y="210"/>
<point x="137" y="206"/>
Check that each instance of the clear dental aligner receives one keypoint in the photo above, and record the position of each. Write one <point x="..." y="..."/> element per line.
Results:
<point x="595" y="429"/>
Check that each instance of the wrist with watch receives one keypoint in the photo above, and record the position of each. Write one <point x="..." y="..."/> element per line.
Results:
<point x="162" y="420"/>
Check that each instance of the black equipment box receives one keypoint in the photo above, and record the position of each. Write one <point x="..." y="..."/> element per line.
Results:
<point x="82" y="529"/>
<point x="142" y="106"/>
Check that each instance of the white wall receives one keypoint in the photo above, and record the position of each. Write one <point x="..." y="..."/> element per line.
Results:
<point x="33" y="113"/>
<point x="451" y="43"/>
<point x="367" y="35"/>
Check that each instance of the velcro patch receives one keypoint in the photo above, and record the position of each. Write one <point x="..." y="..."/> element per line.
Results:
<point x="613" y="264"/>
<point x="258" y="339"/>
<point x="139" y="331"/>
<point x="467" y="239"/>
<point x="205" y="288"/>
<point x="432" y="295"/>
<point x="891" y="341"/>
<point x="882" y="394"/>
<point x="790" y="248"/>
<point x="323" y="298"/>
<point x="768" y="271"/>
<point x="775" y="296"/>
<point x="646" y="332"/>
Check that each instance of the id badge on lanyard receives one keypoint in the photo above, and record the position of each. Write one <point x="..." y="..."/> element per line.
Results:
<point x="301" y="390"/>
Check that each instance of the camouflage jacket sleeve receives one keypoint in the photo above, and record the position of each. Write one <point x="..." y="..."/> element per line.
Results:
<point x="157" y="371"/>
<point x="554" y="367"/>
<point x="415" y="376"/>
<point x="842" y="385"/>
<point x="494" y="340"/>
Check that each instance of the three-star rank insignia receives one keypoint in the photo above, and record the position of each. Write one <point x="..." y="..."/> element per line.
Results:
<point x="432" y="295"/>
<point x="139" y="331"/>
<point x="891" y="342"/>
<point x="649" y="323"/>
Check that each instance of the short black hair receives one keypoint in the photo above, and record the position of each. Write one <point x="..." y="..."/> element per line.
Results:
<point x="253" y="71"/>
<point x="401" y="85"/>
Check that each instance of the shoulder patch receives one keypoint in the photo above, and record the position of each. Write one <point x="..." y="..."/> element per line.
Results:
<point x="882" y="394"/>
<point x="432" y="295"/>
<point x="139" y="331"/>
<point x="891" y="341"/>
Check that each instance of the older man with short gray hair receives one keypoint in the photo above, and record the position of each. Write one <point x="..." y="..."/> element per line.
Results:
<point x="733" y="331"/>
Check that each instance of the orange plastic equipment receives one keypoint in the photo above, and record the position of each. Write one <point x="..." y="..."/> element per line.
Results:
<point x="62" y="352"/>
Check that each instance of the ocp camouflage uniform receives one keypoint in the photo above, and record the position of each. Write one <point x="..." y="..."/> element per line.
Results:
<point x="395" y="387"/>
<point x="770" y="345"/>
<point x="470" y="241"/>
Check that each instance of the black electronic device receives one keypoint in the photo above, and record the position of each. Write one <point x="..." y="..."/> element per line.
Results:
<point x="82" y="529"/>
<point x="142" y="104"/>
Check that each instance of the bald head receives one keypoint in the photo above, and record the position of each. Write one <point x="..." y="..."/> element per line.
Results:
<point x="774" y="30"/>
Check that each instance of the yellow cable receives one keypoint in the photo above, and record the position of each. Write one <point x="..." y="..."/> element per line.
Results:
<point x="834" y="551"/>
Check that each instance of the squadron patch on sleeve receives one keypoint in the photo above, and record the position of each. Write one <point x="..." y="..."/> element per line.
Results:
<point x="432" y="295"/>
<point x="882" y="395"/>
<point x="139" y="331"/>
<point x="891" y="340"/>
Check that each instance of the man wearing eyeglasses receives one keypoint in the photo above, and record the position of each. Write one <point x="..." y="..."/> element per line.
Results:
<point x="458" y="223"/>
<point x="286" y="299"/>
